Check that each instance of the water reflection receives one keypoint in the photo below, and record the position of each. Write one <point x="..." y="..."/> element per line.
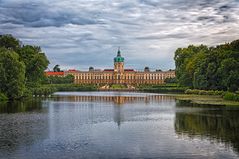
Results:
<point x="113" y="124"/>
<point x="220" y="124"/>
<point x="22" y="124"/>
<point x="21" y="106"/>
<point x="118" y="115"/>
<point x="115" y="98"/>
<point x="117" y="106"/>
<point x="118" y="100"/>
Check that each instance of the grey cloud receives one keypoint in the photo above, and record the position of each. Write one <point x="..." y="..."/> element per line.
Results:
<point x="41" y="15"/>
<point x="77" y="33"/>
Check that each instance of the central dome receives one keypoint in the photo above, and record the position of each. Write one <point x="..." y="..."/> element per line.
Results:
<point x="118" y="58"/>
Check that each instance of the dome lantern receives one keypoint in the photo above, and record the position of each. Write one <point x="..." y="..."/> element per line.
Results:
<point x="118" y="58"/>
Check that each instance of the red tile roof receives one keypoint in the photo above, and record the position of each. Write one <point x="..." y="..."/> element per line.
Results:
<point x="51" y="73"/>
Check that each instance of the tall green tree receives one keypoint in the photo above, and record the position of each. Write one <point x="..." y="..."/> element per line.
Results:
<point x="36" y="62"/>
<point x="12" y="74"/>
<point x="214" y="68"/>
<point x="186" y="61"/>
<point x="9" y="42"/>
<point x="229" y="71"/>
<point x="20" y="66"/>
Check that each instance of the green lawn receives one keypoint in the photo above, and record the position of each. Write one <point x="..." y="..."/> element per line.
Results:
<point x="118" y="86"/>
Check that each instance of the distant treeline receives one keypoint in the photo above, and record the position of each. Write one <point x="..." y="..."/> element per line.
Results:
<point x="209" y="68"/>
<point x="58" y="79"/>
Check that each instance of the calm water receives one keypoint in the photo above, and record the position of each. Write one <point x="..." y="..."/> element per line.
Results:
<point x="117" y="125"/>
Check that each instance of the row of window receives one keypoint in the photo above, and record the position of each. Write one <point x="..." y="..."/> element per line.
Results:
<point x="110" y="77"/>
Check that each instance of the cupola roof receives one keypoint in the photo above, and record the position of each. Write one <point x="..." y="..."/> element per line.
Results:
<point x="118" y="58"/>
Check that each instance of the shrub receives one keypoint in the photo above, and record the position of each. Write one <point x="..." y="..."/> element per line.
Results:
<point x="43" y="91"/>
<point x="231" y="96"/>
<point x="219" y="92"/>
<point x="211" y="92"/>
<point x="192" y="91"/>
<point x="188" y="91"/>
<point x="170" y="80"/>
<point x="204" y="92"/>
<point x="73" y="87"/>
<point x="27" y="92"/>
<point x="3" y="97"/>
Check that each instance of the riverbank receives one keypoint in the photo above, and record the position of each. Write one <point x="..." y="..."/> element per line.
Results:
<point x="72" y="87"/>
<point x="202" y="98"/>
<point x="205" y="99"/>
<point x="163" y="88"/>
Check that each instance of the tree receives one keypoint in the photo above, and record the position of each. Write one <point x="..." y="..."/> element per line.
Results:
<point x="56" y="68"/>
<point x="9" y="42"/>
<point x="213" y="68"/>
<point x="230" y="74"/>
<point x="59" y="80"/>
<point x="36" y="62"/>
<point x="12" y="71"/>
<point x="20" y="66"/>
<point x="170" y="80"/>
<point x="186" y="61"/>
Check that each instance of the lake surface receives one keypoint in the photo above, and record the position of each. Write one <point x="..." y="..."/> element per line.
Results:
<point x="117" y="125"/>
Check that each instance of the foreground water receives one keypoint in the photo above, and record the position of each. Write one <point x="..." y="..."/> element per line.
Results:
<point x="117" y="125"/>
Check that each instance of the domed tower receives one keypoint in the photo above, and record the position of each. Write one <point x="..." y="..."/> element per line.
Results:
<point x="118" y="62"/>
<point x="118" y="68"/>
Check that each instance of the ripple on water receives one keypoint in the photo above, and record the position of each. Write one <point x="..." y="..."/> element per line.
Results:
<point x="117" y="124"/>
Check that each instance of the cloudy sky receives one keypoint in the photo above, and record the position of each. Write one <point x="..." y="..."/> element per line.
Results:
<point x="82" y="33"/>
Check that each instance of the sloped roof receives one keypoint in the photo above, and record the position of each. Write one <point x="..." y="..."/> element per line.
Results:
<point x="108" y="70"/>
<point x="51" y="73"/>
<point x="129" y="70"/>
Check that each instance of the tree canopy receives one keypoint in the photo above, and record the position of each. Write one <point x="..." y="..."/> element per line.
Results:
<point x="20" y="66"/>
<point x="59" y="80"/>
<point x="204" y="67"/>
<point x="36" y="62"/>
<point x="12" y="71"/>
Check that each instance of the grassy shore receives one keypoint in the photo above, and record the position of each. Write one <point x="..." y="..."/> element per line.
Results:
<point x="213" y="98"/>
<point x="205" y="99"/>
<point x="162" y="88"/>
<point x="73" y="87"/>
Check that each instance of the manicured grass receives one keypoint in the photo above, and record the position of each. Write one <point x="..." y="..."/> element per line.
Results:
<point x="117" y="86"/>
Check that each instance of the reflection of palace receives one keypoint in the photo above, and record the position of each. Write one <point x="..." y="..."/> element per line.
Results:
<point x="117" y="99"/>
<point x="118" y="75"/>
<point x="219" y="125"/>
<point x="120" y="114"/>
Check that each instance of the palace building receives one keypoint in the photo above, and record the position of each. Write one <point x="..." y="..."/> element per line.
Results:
<point x="118" y="75"/>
